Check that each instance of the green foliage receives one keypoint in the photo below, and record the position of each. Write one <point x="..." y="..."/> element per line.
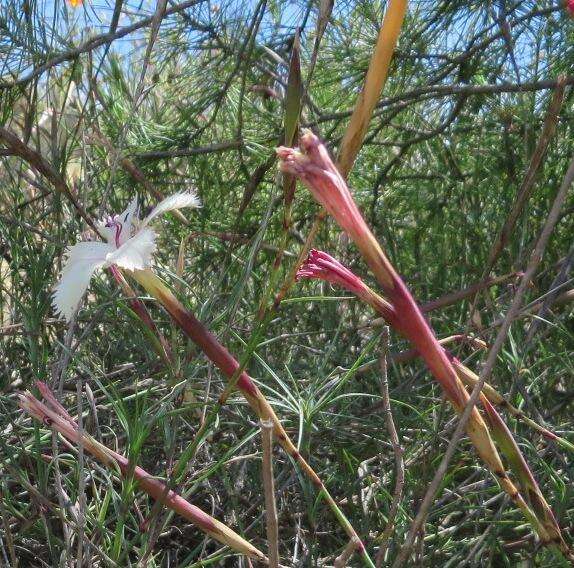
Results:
<point x="446" y="151"/>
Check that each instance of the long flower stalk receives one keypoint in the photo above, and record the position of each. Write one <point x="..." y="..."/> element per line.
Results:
<point x="322" y="266"/>
<point x="375" y="80"/>
<point x="53" y="414"/>
<point x="130" y="246"/>
<point x="159" y="342"/>
<point x="231" y="369"/>
<point x="314" y="167"/>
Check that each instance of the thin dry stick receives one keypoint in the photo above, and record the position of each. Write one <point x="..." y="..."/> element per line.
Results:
<point x="409" y="354"/>
<point x="269" y="490"/>
<point x="41" y="165"/>
<point x="527" y="185"/>
<point x="344" y="557"/>
<point x="535" y="306"/>
<point x="397" y="449"/>
<point x="133" y="170"/>
<point x="63" y="499"/>
<point x="81" y="479"/>
<point x="454" y="297"/>
<point x="551" y="296"/>
<point x="533" y="263"/>
<point x="8" y="535"/>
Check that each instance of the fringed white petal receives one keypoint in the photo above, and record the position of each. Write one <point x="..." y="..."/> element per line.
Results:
<point x="82" y="260"/>
<point x="136" y="253"/>
<point x="177" y="201"/>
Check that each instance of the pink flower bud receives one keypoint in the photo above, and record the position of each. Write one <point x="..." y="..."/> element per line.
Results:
<point x="312" y="164"/>
<point x="315" y="168"/>
<point x="53" y="415"/>
<point x="323" y="266"/>
<point x="52" y="401"/>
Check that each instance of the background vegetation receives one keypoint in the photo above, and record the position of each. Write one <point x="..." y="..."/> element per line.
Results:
<point x="119" y="103"/>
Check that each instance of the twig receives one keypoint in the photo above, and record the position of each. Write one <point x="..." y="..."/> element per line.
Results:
<point x="551" y="296"/>
<point x="14" y="328"/>
<point x="343" y="558"/>
<point x="439" y="91"/>
<point x="81" y="516"/>
<point x="192" y="151"/>
<point x="134" y="172"/>
<point x="8" y="535"/>
<point x="533" y="263"/>
<point x="269" y="489"/>
<point x="63" y="498"/>
<point x="39" y="163"/>
<point x="253" y="183"/>
<point x="454" y="297"/>
<point x="94" y="43"/>
<point x="474" y="552"/>
<point x="536" y="305"/>
<point x="397" y="450"/>
<point x="409" y="354"/>
<point x="525" y="190"/>
<point x="242" y="239"/>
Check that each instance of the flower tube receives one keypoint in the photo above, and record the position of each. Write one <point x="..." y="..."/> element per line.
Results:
<point x="312" y="164"/>
<point x="53" y="414"/>
<point x="322" y="266"/>
<point x="229" y="366"/>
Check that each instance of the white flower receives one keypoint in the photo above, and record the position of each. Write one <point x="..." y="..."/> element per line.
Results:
<point x="130" y="245"/>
